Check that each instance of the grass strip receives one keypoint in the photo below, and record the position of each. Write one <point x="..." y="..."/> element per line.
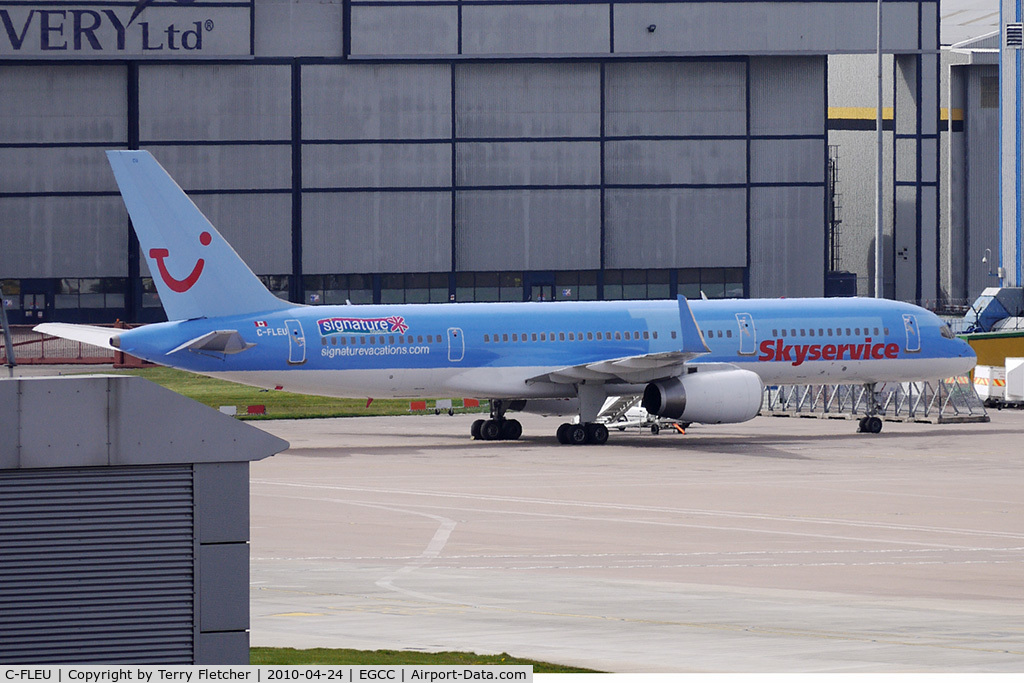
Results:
<point x="279" y="404"/>
<point x="286" y="655"/>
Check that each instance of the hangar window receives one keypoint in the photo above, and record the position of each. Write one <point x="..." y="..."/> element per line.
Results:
<point x="92" y="293"/>
<point x="487" y="286"/>
<point x="576" y="285"/>
<point x="337" y="289"/>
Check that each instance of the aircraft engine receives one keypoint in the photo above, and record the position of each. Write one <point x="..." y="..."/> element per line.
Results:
<point x="709" y="397"/>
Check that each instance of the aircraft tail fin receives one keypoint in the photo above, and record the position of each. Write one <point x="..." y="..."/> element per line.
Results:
<point x="197" y="273"/>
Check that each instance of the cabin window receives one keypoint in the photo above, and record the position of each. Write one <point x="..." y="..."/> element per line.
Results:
<point x="812" y="331"/>
<point x="487" y="338"/>
<point x="856" y="331"/>
<point x="655" y="334"/>
<point x="504" y="338"/>
<point x="876" y="331"/>
<point x="600" y="336"/>
<point x="362" y="341"/>
<point x="561" y="336"/>
<point x="886" y="331"/>
<point x="533" y="336"/>
<point x="543" y="336"/>
<point x="572" y="337"/>
<point x="590" y="336"/>
<point x="323" y="341"/>
<point x="373" y="341"/>
<point x="848" y="332"/>
<point x="391" y="339"/>
<point x="673" y="334"/>
<point x="646" y="334"/>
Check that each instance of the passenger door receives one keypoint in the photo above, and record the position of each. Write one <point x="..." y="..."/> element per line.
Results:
<point x="456" y="345"/>
<point x="913" y="333"/>
<point x="296" y="343"/>
<point x="748" y="334"/>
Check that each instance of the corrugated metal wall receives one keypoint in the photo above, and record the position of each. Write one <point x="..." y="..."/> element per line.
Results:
<point x="97" y="565"/>
<point x="55" y="110"/>
<point x="511" y="166"/>
<point x="787" y="196"/>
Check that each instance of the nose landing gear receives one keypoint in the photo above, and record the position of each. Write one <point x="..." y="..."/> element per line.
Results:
<point x="870" y="423"/>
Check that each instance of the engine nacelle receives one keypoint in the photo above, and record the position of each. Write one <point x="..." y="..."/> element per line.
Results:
<point x="707" y="396"/>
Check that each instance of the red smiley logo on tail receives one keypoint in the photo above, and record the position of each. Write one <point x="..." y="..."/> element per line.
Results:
<point x="180" y="285"/>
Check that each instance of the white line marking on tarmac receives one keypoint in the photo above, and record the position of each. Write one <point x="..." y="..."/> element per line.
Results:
<point x="647" y="508"/>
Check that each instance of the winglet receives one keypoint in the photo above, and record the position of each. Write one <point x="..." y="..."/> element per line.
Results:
<point x="197" y="273"/>
<point x="692" y="337"/>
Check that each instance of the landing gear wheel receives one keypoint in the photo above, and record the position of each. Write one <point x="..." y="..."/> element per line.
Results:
<point x="655" y="428"/>
<point x="597" y="433"/>
<point x="874" y="425"/>
<point x="474" y="431"/>
<point x="511" y="430"/>
<point x="563" y="432"/>
<point x="577" y="434"/>
<point x="490" y="430"/>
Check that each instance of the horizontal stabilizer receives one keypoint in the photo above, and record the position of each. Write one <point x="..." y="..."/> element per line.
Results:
<point x="87" y="334"/>
<point x="220" y="341"/>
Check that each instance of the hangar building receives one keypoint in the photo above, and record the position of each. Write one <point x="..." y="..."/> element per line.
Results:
<point x="435" y="150"/>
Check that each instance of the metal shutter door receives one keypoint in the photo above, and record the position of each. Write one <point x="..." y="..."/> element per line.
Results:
<point x="97" y="565"/>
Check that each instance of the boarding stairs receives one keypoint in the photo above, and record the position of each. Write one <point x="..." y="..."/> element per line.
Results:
<point x="615" y="411"/>
<point x="946" y="401"/>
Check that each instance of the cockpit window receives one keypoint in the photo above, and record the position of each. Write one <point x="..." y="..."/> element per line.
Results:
<point x="946" y="332"/>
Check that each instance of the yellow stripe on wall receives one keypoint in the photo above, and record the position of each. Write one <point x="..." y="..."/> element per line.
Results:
<point x="868" y="113"/>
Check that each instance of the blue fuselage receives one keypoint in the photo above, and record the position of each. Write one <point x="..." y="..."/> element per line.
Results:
<point x="492" y="349"/>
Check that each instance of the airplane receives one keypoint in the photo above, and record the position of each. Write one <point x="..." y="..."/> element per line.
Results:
<point x="704" y="361"/>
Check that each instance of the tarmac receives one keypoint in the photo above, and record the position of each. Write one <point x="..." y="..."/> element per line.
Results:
<point x="777" y="545"/>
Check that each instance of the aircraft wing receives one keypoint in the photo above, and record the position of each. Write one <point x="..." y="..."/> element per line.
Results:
<point x="87" y="334"/>
<point x="641" y="368"/>
<point x="629" y="369"/>
<point x="219" y="341"/>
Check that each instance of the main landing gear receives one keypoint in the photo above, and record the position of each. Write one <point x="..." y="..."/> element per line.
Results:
<point x="577" y="434"/>
<point x="498" y="428"/>
<point x="870" y="423"/>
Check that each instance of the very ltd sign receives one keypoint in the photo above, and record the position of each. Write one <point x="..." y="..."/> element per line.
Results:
<point x="118" y="30"/>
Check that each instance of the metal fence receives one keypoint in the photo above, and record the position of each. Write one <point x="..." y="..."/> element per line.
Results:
<point x="34" y="348"/>
<point x="949" y="400"/>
